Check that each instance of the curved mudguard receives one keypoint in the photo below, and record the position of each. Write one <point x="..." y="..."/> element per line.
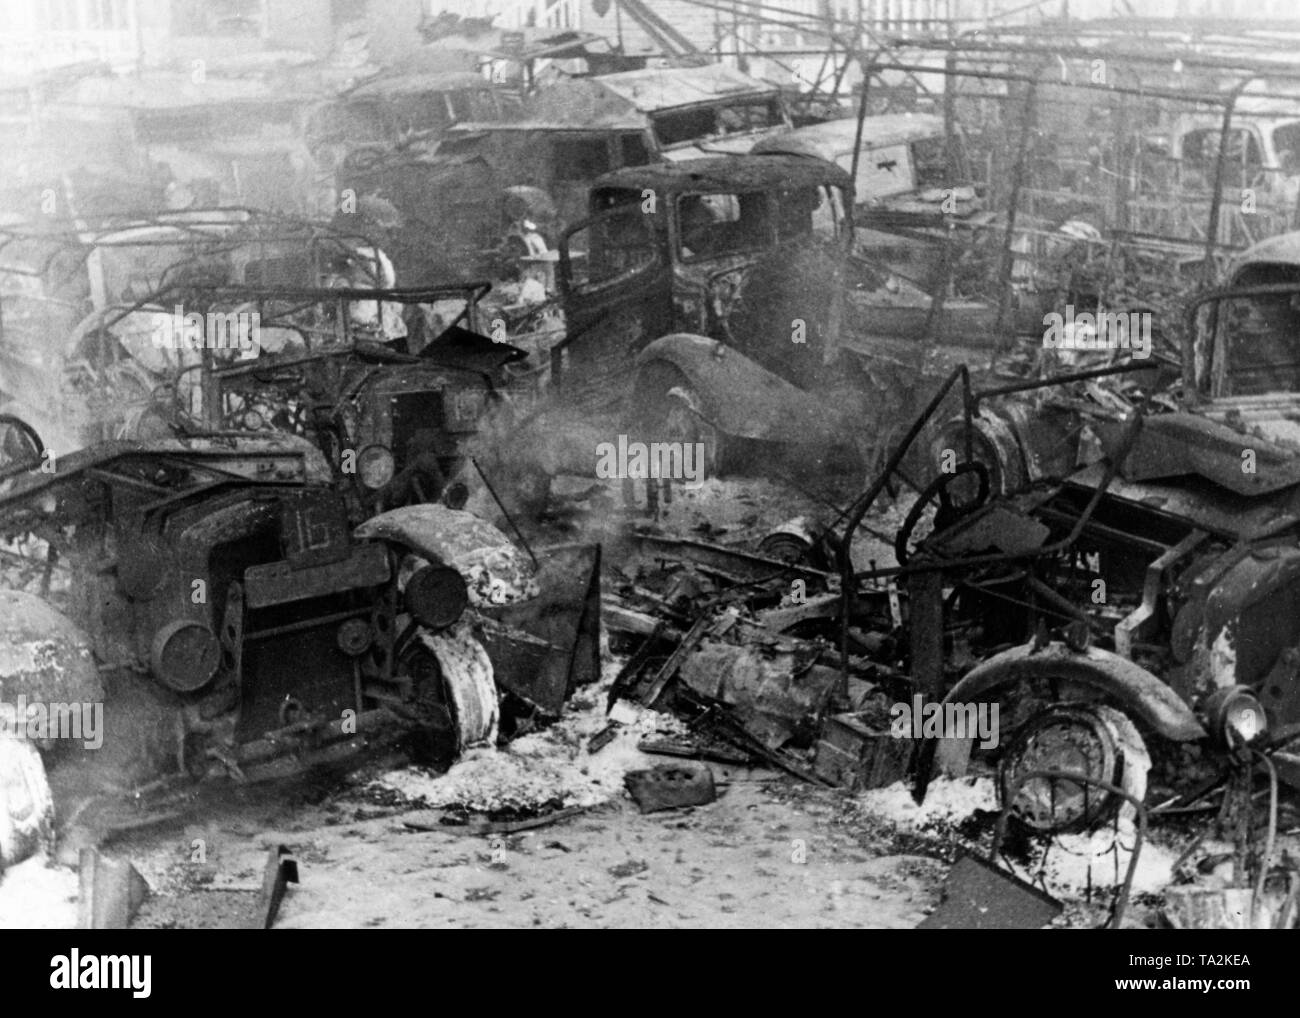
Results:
<point x="44" y="656"/>
<point x="1130" y="685"/>
<point x="541" y="626"/>
<point x="741" y="397"/>
<point x="496" y="571"/>
<point x="467" y="670"/>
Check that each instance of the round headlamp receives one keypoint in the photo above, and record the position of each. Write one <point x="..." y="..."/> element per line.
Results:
<point x="375" y="466"/>
<point x="1235" y="717"/>
<point x="436" y="596"/>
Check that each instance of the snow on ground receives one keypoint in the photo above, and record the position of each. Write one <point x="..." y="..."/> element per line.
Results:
<point x="36" y="895"/>
<point x="948" y="801"/>
<point x="1070" y="864"/>
<point x="545" y="769"/>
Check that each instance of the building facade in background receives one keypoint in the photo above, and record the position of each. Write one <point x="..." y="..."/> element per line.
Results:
<point x="39" y="34"/>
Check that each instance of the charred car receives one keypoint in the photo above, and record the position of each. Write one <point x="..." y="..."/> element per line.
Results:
<point x="1131" y="592"/>
<point x="216" y="599"/>
<point x="79" y="301"/>
<point x="695" y="285"/>
<point x="393" y="386"/>
<point x="556" y="145"/>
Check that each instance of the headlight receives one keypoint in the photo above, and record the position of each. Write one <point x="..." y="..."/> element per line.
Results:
<point x="1235" y="717"/>
<point x="375" y="466"/>
<point x="185" y="655"/>
<point x="436" y="596"/>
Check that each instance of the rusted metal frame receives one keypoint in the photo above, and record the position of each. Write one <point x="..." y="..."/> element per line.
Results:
<point x="860" y="507"/>
<point x="632" y="668"/>
<point x="1152" y="585"/>
<point x="232" y="481"/>
<point x="1121" y="902"/>
<point x="309" y="735"/>
<point x="1083" y="521"/>
<point x="867" y="63"/>
<point x="1064" y="607"/>
<point x="939" y="296"/>
<point x="312" y="623"/>
<point x="1121" y="149"/>
<point x="828" y="57"/>
<point x="950" y="113"/>
<point x="1191" y="98"/>
<point x="1007" y="260"/>
<point x="1105" y="533"/>
<point x="761" y="14"/>
<point x="979" y="395"/>
<point x="1161" y="58"/>
<point x="109" y="478"/>
<point x="693" y="636"/>
<point x="726" y="560"/>
<point x="849" y="579"/>
<point x="1220" y="163"/>
<point x="719" y="721"/>
<point x="505" y="512"/>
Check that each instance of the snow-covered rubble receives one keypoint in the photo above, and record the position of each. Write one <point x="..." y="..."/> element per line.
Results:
<point x="1071" y="863"/>
<point x="545" y="769"/>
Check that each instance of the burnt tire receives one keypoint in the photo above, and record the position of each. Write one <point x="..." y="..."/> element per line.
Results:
<point x="1093" y="739"/>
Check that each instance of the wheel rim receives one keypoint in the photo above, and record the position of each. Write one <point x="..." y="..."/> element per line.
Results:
<point x="1090" y="739"/>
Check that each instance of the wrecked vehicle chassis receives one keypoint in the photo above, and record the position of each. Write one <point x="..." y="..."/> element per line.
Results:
<point x="1113" y="615"/>
<point x="234" y="625"/>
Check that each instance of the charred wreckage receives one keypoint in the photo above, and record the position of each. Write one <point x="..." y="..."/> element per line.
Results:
<point x="264" y="558"/>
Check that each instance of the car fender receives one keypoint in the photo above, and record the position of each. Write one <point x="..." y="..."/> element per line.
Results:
<point x="45" y="657"/>
<point x="1131" y="686"/>
<point x="740" y="396"/>
<point x="471" y="687"/>
<point x="496" y="572"/>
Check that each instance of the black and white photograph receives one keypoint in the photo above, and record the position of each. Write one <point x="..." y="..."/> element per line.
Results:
<point x="651" y="465"/>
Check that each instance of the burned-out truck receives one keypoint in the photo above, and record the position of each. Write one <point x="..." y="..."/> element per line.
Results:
<point x="554" y="147"/>
<point x="216" y="595"/>
<point x="1126" y="576"/>
<point x="720" y="298"/>
<point x="241" y="625"/>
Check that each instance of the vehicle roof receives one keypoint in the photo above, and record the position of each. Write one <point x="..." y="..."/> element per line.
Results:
<point x="628" y="97"/>
<point x="167" y="90"/>
<point x="834" y="137"/>
<point x="470" y="127"/>
<point x="663" y="88"/>
<point x="727" y="173"/>
<point x="415" y="82"/>
<point x="1283" y="249"/>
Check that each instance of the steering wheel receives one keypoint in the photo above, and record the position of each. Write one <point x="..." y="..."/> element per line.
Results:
<point x="20" y="446"/>
<point x="947" y="513"/>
